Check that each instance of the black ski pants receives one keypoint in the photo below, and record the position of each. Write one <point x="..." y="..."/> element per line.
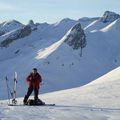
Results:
<point x="29" y="92"/>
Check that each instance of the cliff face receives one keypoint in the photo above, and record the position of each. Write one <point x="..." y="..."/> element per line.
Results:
<point x="109" y="17"/>
<point x="21" y="33"/>
<point x="76" y="37"/>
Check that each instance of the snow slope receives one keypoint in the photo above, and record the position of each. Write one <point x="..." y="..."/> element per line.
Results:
<point x="107" y="18"/>
<point x="60" y="66"/>
<point x="113" y="27"/>
<point x="85" y="21"/>
<point x="95" y="25"/>
<point x="8" y="26"/>
<point x="98" y="100"/>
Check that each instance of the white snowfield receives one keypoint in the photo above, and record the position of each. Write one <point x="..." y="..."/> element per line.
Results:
<point x="64" y="71"/>
<point x="99" y="100"/>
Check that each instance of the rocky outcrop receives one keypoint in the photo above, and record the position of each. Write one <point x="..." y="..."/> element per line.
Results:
<point x="109" y="17"/>
<point x="8" y="26"/>
<point x="21" y="33"/>
<point x="76" y="37"/>
<point x="32" y="25"/>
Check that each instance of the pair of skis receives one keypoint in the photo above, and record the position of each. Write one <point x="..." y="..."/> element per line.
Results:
<point x="12" y="94"/>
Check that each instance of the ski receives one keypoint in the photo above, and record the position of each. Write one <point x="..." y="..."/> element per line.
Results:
<point x="32" y="102"/>
<point x="30" y="105"/>
<point x="12" y="93"/>
<point x="14" y="101"/>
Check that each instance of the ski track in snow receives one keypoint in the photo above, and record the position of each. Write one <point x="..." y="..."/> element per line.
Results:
<point x="58" y="112"/>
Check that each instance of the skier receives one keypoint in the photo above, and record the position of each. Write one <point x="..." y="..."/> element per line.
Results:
<point x="34" y="80"/>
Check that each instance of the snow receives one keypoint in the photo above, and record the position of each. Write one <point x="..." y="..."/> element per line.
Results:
<point x="49" y="50"/>
<point x="105" y="21"/>
<point x="85" y="21"/>
<point x="10" y="25"/>
<point x="60" y="66"/>
<point x="57" y="30"/>
<point x="114" y="26"/>
<point x="98" y="100"/>
<point x="79" y="86"/>
<point x="95" y="25"/>
<point x="82" y="89"/>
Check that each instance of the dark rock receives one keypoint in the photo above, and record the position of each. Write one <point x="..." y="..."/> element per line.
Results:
<point x="109" y="17"/>
<point x="76" y="37"/>
<point x="21" y="33"/>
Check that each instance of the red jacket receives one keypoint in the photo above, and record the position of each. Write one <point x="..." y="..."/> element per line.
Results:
<point x="34" y="80"/>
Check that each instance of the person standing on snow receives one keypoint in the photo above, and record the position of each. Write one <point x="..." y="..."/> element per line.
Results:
<point x="34" y="80"/>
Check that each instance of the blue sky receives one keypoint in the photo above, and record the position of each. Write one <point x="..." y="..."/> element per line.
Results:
<point x="54" y="10"/>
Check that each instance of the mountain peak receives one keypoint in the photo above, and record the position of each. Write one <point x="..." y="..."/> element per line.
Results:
<point x="32" y="25"/>
<point x="109" y="16"/>
<point x="11" y="22"/>
<point x="76" y="37"/>
<point x="65" y="21"/>
<point x="10" y="25"/>
<point x="31" y="22"/>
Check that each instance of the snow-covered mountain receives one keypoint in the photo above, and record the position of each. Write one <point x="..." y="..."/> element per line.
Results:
<point x="98" y="100"/>
<point x="85" y="21"/>
<point x="15" y="35"/>
<point x="109" y="17"/>
<point x="103" y="21"/>
<point x="50" y="48"/>
<point x="112" y="27"/>
<point x="8" y="26"/>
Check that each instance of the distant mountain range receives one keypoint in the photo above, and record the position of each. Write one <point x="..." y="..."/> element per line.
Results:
<point x="68" y="54"/>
